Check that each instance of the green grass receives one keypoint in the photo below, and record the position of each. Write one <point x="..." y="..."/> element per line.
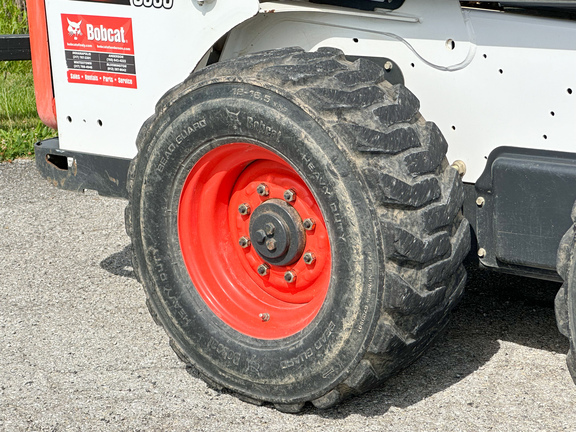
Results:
<point x="20" y="126"/>
<point x="13" y="20"/>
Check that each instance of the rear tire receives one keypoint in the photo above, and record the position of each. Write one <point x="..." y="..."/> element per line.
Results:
<point x="565" y="304"/>
<point x="389" y="238"/>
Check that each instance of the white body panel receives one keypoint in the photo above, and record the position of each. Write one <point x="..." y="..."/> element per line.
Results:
<point x="168" y="44"/>
<point x="477" y="107"/>
<point x="460" y="86"/>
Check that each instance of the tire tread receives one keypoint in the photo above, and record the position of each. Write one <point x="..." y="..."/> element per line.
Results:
<point x="564" y="264"/>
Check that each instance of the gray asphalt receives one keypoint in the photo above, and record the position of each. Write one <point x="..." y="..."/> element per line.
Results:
<point x="78" y="350"/>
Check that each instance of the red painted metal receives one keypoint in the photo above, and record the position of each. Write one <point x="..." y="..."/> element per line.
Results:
<point x="225" y="274"/>
<point x="45" y="103"/>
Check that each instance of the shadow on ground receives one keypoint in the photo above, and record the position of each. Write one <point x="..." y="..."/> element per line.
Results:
<point x="496" y="307"/>
<point x="120" y="263"/>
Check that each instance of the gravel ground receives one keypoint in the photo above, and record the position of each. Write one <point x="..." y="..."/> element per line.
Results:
<point x="79" y="351"/>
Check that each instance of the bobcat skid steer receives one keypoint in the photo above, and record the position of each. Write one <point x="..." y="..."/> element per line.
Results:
<point x="305" y="178"/>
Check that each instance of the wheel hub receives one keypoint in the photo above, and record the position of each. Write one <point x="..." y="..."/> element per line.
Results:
<point x="277" y="232"/>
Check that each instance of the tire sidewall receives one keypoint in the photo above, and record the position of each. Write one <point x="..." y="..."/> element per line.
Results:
<point x="311" y="362"/>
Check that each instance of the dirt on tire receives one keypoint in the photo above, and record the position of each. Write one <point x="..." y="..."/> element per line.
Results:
<point x="413" y="196"/>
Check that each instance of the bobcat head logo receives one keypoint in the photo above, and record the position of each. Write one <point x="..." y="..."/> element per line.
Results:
<point x="74" y="29"/>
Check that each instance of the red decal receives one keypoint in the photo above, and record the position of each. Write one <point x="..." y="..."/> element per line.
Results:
<point x="98" y="33"/>
<point x="99" y="50"/>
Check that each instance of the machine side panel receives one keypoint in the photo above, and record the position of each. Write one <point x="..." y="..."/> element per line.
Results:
<point x="487" y="79"/>
<point x="111" y="62"/>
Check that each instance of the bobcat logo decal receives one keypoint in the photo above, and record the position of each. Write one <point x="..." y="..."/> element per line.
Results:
<point x="74" y="29"/>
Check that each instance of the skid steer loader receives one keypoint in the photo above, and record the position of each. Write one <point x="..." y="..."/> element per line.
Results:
<point x="305" y="178"/>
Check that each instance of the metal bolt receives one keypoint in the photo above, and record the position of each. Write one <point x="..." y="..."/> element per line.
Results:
<point x="290" y="195"/>
<point x="263" y="269"/>
<point x="244" y="209"/>
<point x="262" y="189"/>
<point x="480" y="201"/>
<point x="481" y="252"/>
<point x="269" y="228"/>
<point x="260" y="236"/>
<point x="309" y="224"/>
<point x="309" y="258"/>
<point x="264" y="316"/>
<point x="244" y="242"/>
<point x="271" y="245"/>
<point x="388" y="66"/>
<point x="459" y="166"/>
<point x="290" y="276"/>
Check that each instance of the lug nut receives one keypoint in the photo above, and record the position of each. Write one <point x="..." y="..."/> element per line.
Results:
<point x="269" y="228"/>
<point x="481" y="253"/>
<point x="309" y="224"/>
<point x="244" y="209"/>
<point x="290" y="276"/>
<point x="309" y="258"/>
<point x="480" y="201"/>
<point x="262" y="189"/>
<point x="388" y="66"/>
<point x="290" y="195"/>
<point x="264" y="316"/>
<point x="244" y="242"/>
<point x="263" y="269"/>
<point x="271" y="245"/>
<point x="260" y="236"/>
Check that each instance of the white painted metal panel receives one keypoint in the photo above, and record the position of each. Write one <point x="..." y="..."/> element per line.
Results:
<point x="486" y="78"/>
<point x="168" y="43"/>
<point x="506" y="80"/>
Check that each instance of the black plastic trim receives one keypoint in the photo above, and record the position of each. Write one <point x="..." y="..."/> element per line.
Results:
<point x="527" y="198"/>
<point x="77" y="171"/>
<point x="393" y="73"/>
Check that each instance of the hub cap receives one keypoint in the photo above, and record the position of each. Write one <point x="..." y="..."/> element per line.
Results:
<point x="278" y="232"/>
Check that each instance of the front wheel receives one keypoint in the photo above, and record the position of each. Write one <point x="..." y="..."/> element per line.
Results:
<point x="296" y="226"/>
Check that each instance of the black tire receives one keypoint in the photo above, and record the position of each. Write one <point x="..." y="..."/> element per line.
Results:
<point x="389" y="198"/>
<point x="565" y="304"/>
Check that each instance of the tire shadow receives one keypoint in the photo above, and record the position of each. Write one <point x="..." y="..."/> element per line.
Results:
<point x="496" y="307"/>
<point x="120" y="263"/>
